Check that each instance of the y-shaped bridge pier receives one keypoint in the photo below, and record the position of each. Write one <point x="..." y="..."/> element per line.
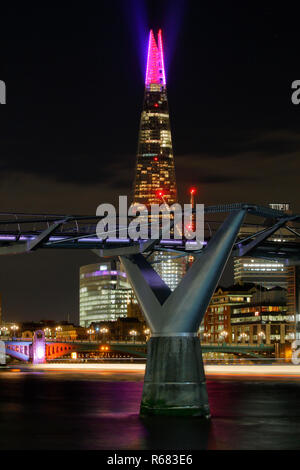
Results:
<point x="175" y="380"/>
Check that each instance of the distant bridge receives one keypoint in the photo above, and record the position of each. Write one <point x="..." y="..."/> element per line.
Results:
<point x="254" y="351"/>
<point x="22" y="349"/>
<point x="36" y="350"/>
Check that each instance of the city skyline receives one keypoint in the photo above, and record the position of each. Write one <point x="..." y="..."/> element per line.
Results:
<point x="223" y="114"/>
<point x="148" y="335"/>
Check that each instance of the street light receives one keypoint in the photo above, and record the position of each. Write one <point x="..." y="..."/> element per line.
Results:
<point x="224" y="334"/>
<point x="14" y="328"/>
<point x="243" y="336"/>
<point x="104" y="331"/>
<point x="133" y="333"/>
<point x="47" y="331"/>
<point x="147" y="333"/>
<point x="57" y="330"/>
<point x="262" y="335"/>
<point x="90" y="332"/>
<point x="206" y="335"/>
<point x="4" y="330"/>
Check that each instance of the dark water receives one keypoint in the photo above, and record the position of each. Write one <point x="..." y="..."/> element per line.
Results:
<point x="66" y="410"/>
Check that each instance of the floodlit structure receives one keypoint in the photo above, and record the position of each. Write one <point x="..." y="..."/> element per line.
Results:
<point x="39" y="347"/>
<point x="155" y="171"/>
<point x="155" y="181"/>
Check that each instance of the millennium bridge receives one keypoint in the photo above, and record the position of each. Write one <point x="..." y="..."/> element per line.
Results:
<point x="174" y="381"/>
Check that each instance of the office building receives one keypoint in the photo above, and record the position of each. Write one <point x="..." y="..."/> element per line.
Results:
<point x="248" y="313"/>
<point x="265" y="272"/>
<point x="216" y="324"/>
<point x="293" y="297"/>
<point x="264" y="320"/>
<point x="104" y="292"/>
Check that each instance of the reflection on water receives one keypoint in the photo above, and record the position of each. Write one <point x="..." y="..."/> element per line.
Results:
<point x="92" y="410"/>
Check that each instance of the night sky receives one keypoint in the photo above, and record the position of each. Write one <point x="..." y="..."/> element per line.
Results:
<point x="69" y="130"/>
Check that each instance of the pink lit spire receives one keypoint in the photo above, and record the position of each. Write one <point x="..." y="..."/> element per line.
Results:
<point x="155" y="72"/>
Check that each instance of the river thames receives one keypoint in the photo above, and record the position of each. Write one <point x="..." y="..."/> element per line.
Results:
<point x="100" y="410"/>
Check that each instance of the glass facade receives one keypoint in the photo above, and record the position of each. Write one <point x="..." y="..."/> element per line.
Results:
<point x="170" y="268"/>
<point x="104" y="292"/>
<point x="265" y="272"/>
<point x="268" y="273"/>
<point x="155" y="171"/>
<point x="293" y="297"/>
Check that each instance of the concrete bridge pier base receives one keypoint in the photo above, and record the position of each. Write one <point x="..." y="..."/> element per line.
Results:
<point x="174" y="382"/>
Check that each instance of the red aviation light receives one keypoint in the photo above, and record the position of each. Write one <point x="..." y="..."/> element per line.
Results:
<point x="156" y="105"/>
<point x="160" y="193"/>
<point x="193" y="191"/>
<point x="155" y="159"/>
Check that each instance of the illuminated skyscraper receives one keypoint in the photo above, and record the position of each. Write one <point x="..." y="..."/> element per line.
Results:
<point x="104" y="289"/>
<point x="155" y="169"/>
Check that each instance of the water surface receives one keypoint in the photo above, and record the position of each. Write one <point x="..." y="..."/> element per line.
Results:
<point x="99" y="410"/>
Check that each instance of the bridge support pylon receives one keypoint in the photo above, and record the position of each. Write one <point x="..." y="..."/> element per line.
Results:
<point x="174" y="381"/>
<point x="2" y="353"/>
<point x="38" y="348"/>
